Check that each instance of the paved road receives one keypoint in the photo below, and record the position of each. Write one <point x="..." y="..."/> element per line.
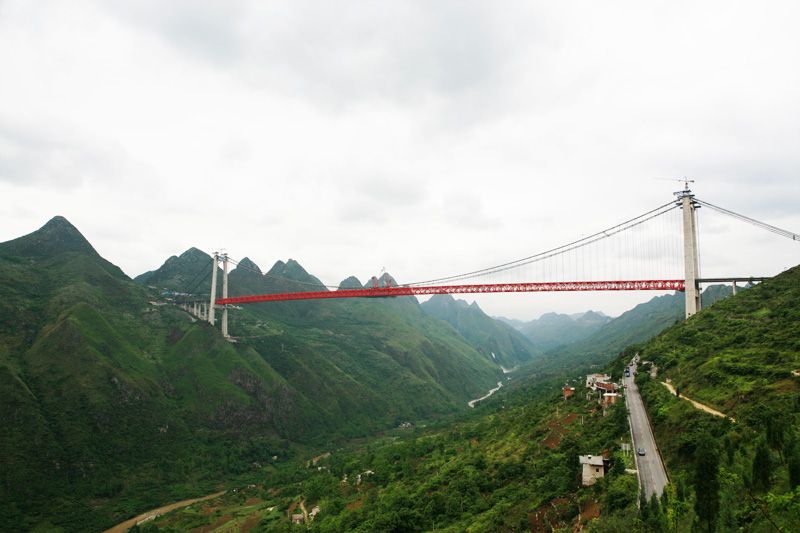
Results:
<point x="652" y="475"/>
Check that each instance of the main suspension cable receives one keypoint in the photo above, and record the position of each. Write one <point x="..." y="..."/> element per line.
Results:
<point x="604" y="234"/>
<point x="769" y="227"/>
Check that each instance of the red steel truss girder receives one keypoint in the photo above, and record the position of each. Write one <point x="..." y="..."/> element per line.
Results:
<point x="375" y="292"/>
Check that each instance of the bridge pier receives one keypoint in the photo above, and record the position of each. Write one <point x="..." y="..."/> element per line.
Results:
<point x="225" y="295"/>
<point x="690" y="262"/>
<point x="213" y="298"/>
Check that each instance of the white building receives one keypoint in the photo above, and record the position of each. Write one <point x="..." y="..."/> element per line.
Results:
<point x="594" y="468"/>
<point x="593" y="379"/>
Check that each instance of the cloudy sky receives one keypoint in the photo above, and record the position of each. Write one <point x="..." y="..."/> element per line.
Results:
<point x="429" y="138"/>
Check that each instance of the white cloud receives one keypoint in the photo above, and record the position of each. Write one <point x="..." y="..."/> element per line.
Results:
<point x="430" y="138"/>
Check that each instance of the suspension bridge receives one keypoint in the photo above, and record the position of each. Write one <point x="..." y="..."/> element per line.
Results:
<point x="664" y="240"/>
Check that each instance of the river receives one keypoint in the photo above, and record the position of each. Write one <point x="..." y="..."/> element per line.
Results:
<point x="472" y="403"/>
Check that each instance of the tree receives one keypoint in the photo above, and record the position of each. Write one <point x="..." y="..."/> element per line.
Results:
<point x="729" y="449"/>
<point x="793" y="461"/>
<point x="706" y="481"/>
<point x="656" y="520"/>
<point x="762" y="467"/>
<point x="644" y="509"/>
<point x="776" y="431"/>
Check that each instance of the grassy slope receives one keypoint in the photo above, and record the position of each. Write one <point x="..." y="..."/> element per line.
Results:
<point x="491" y="472"/>
<point x="364" y="364"/>
<point x="736" y="356"/>
<point x="487" y="335"/>
<point x="552" y="330"/>
<point x="113" y="405"/>
<point x="631" y="327"/>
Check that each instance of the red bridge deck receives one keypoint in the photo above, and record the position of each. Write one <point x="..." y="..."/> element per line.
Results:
<point x="375" y="292"/>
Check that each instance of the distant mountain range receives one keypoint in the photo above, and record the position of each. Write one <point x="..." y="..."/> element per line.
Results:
<point x="113" y="399"/>
<point x="490" y="337"/>
<point x="110" y="394"/>
<point x="554" y="329"/>
<point x="634" y="326"/>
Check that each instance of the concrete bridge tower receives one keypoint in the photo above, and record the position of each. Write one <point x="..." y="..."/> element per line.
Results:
<point x="690" y="262"/>
<point x="213" y="299"/>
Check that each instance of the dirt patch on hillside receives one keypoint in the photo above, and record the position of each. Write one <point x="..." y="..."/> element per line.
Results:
<point x="249" y="524"/>
<point x="549" y="516"/>
<point x="558" y="430"/>
<point x="292" y="507"/>
<point x="587" y="514"/>
<point x="358" y="504"/>
<point x="253" y="501"/>
<point x="221" y="521"/>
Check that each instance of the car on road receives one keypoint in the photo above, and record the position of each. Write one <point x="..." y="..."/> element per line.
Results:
<point x="640" y="451"/>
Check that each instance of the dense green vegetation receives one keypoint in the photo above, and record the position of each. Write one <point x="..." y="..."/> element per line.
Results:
<point x="512" y="466"/>
<point x="497" y="471"/>
<point x="552" y="330"/>
<point x="737" y="357"/>
<point x="634" y="326"/>
<point x="114" y="401"/>
<point x="490" y="337"/>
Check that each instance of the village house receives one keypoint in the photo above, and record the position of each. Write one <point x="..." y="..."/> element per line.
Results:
<point x="298" y="518"/>
<point x="605" y="387"/>
<point x="594" y="468"/>
<point x="568" y="392"/>
<point x="593" y="379"/>
<point x="609" y="398"/>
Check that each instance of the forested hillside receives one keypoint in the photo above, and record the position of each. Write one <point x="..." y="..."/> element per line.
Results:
<point x="114" y="401"/>
<point x="740" y="357"/>
<point x="489" y="336"/>
<point x="512" y="466"/>
<point x="633" y="326"/>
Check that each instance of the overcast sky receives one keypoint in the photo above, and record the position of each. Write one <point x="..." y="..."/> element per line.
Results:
<point x="429" y="138"/>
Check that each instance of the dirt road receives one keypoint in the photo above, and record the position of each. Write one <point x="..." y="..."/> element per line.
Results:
<point x="697" y="404"/>
<point x="127" y="524"/>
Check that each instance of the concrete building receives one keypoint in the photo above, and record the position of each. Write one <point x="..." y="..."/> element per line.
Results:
<point x="605" y="387"/>
<point x="594" y="468"/>
<point x="593" y="379"/>
<point x="609" y="398"/>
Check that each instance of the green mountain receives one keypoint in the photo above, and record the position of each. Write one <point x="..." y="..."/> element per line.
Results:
<point x="632" y="327"/>
<point x="192" y="266"/>
<point x="512" y="465"/>
<point x="114" y="401"/>
<point x="740" y="357"/>
<point x="553" y="329"/>
<point x="493" y="338"/>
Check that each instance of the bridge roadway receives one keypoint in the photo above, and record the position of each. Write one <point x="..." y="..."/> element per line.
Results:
<point x="423" y="290"/>
<point x="652" y="474"/>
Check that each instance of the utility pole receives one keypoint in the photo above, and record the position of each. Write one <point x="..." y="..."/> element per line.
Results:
<point x="225" y="295"/>
<point x="213" y="299"/>
<point x="690" y="262"/>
